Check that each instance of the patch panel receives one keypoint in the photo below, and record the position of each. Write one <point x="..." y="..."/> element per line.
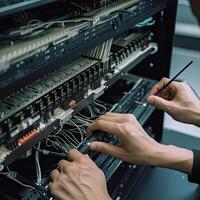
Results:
<point x="4" y="152"/>
<point x="62" y="89"/>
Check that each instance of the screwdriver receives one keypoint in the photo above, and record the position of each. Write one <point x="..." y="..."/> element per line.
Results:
<point x="173" y="79"/>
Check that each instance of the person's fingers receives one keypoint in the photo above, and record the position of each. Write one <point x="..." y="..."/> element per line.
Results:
<point x="169" y="93"/>
<point x="154" y="90"/>
<point x="106" y="126"/>
<point x="116" y="117"/>
<point x="159" y="102"/>
<point x="74" y="155"/>
<point x="62" y="164"/>
<point x="112" y="114"/>
<point x="172" y="92"/>
<point x="50" y="185"/>
<point x="109" y="118"/>
<point x="159" y="85"/>
<point x="115" y="151"/>
<point x="54" y="174"/>
<point x="58" y="193"/>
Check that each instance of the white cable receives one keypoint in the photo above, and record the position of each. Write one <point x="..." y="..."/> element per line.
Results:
<point x="97" y="111"/>
<point x="91" y="112"/>
<point x="17" y="181"/>
<point x="55" y="141"/>
<point x="22" y="184"/>
<point x="28" y="29"/>
<point x="61" y="145"/>
<point x="78" y="129"/>
<point x="67" y="136"/>
<point x="74" y="129"/>
<point x="47" y="142"/>
<point x="38" y="168"/>
<point x="82" y="120"/>
<point x="58" y="131"/>
<point x="70" y="140"/>
<point x="52" y="144"/>
<point x="81" y="123"/>
<point x="84" y="116"/>
<point x="98" y="104"/>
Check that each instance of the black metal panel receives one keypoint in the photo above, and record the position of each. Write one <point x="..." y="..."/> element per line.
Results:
<point x="158" y="65"/>
<point x="187" y="42"/>
<point x="8" y="7"/>
<point x="112" y="29"/>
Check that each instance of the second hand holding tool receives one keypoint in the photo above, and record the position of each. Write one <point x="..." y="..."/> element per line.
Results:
<point x="173" y="79"/>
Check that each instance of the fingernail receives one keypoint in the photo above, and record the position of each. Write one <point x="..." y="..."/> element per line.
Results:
<point x="93" y="146"/>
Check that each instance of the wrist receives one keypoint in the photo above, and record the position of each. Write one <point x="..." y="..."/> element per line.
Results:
<point x="173" y="157"/>
<point x="196" y="114"/>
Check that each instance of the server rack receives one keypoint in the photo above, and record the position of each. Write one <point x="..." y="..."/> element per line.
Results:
<point x="150" y="65"/>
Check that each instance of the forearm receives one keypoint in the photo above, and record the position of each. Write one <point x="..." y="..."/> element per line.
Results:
<point x="174" y="158"/>
<point x="196" y="116"/>
<point x="191" y="112"/>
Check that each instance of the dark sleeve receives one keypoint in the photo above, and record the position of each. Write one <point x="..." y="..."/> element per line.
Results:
<point x="194" y="177"/>
<point x="195" y="5"/>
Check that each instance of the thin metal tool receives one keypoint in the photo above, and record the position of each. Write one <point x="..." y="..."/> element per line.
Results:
<point x="173" y="79"/>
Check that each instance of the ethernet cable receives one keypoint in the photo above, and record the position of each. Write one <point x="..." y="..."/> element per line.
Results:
<point x="37" y="166"/>
<point x="12" y="175"/>
<point x="18" y="179"/>
<point x="50" y="153"/>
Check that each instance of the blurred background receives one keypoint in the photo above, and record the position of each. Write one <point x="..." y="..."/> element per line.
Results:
<point x="186" y="48"/>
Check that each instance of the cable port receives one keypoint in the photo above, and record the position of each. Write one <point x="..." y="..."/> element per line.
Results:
<point x="62" y="115"/>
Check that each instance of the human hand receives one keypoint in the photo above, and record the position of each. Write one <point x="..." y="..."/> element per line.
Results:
<point x="136" y="146"/>
<point x="79" y="179"/>
<point x="178" y="100"/>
